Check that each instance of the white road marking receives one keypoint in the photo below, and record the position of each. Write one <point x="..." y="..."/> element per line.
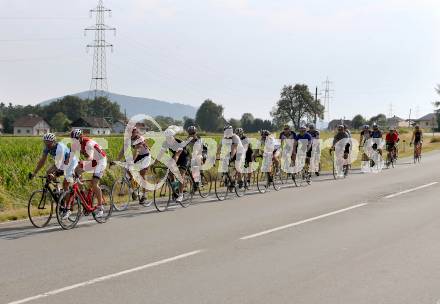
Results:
<point x="302" y="222"/>
<point x="105" y="278"/>
<point x="410" y="190"/>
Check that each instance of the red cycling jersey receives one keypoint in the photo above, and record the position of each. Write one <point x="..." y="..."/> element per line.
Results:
<point x="392" y="138"/>
<point x="87" y="144"/>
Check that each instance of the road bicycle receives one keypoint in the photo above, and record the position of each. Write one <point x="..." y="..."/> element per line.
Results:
<point x="41" y="202"/>
<point x="80" y="201"/>
<point x="345" y="167"/>
<point x="226" y="182"/>
<point x="169" y="190"/>
<point x="391" y="157"/>
<point x="417" y="152"/>
<point x="126" y="191"/>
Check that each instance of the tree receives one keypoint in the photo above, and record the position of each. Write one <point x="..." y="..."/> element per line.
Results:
<point x="188" y="122"/>
<point x="235" y="123"/>
<point x="210" y="116"/>
<point x="59" y="122"/>
<point x="247" y="121"/>
<point x="358" y="121"/>
<point x="8" y="125"/>
<point x="380" y="120"/>
<point x="166" y="121"/>
<point x="437" y="108"/>
<point x="296" y="103"/>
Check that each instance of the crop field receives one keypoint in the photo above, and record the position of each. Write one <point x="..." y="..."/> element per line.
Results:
<point x="19" y="155"/>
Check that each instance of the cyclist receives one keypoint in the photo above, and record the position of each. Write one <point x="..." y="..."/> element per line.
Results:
<point x="179" y="154"/>
<point x="287" y="133"/>
<point x="303" y="136"/>
<point x="199" y="153"/>
<point x="141" y="156"/>
<point x="315" y="136"/>
<point x="376" y="134"/>
<point x="271" y="145"/>
<point x="247" y="147"/>
<point x="340" y="135"/>
<point x="96" y="160"/>
<point x="392" y="139"/>
<point x="417" y="138"/>
<point x="65" y="162"/>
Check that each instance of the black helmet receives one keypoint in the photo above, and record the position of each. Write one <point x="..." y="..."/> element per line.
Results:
<point x="191" y="130"/>
<point x="228" y="127"/>
<point x="239" y="131"/>
<point x="264" y="133"/>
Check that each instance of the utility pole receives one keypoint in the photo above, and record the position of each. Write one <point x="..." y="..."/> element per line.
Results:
<point x="409" y="118"/>
<point x="391" y="110"/>
<point x="327" y="98"/>
<point x="98" y="85"/>
<point x="316" y="101"/>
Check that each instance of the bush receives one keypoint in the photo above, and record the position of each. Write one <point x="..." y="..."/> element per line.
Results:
<point x="435" y="139"/>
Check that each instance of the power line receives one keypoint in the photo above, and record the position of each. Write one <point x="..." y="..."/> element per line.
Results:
<point x="327" y="98"/>
<point x="99" y="85"/>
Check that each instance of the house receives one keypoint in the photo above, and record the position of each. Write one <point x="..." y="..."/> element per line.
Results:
<point x="332" y="125"/>
<point x="31" y="125"/>
<point x="428" y="121"/>
<point x="119" y="126"/>
<point x="397" y="122"/>
<point x="92" y="125"/>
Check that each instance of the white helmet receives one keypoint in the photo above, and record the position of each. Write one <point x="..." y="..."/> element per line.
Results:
<point x="76" y="133"/>
<point x="49" y="137"/>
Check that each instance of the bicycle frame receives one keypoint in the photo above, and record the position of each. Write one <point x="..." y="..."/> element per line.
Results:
<point x="85" y="198"/>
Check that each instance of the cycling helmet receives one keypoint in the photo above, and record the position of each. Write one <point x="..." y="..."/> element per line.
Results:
<point x="340" y="127"/>
<point x="228" y="127"/>
<point x="302" y="128"/>
<point x="239" y="131"/>
<point x="311" y="126"/>
<point x="49" y="137"/>
<point x="375" y="125"/>
<point x="265" y="133"/>
<point x="366" y="127"/>
<point x="191" y="130"/>
<point x="392" y="129"/>
<point x="76" y="133"/>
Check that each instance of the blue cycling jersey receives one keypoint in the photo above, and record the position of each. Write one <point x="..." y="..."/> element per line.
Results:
<point x="58" y="149"/>
<point x="305" y="136"/>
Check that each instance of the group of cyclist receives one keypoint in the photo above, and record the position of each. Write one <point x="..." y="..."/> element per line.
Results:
<point x="193" y="151"/>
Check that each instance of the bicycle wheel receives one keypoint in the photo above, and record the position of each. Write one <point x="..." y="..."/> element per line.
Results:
<point x="262" y="182"/>
<point x="221" y="185"/>
<point x="277" y="180"/>
<point x="188" y="191"/>
<point x="122" y="194"/>
<point x="162" y="197"/>
<point x="107" y="205"/>
<point x="40" y="208"/>
<point x="241" y="186"/>
<point x="75" y="208"/>
<point x="205" y="184"/>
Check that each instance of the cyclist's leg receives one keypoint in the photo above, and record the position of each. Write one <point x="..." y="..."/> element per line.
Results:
<point x="97" y="175"/>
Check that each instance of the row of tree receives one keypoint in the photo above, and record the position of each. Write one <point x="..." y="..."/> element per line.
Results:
<point x="59" y="114"/>
<point x="295" y="106"/>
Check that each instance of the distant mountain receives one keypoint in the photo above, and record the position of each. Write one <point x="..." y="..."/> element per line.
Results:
<point x="139" y="105"/>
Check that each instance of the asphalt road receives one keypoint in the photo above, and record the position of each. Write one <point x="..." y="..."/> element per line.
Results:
<point x="370" y="238"/>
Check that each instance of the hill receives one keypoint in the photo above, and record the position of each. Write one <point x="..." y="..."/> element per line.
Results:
<point x="139" y="105"/>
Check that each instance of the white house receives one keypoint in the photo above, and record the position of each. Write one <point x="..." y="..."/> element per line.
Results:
<point x="428" y="121"/>
<point x="92" y="125"/>
<point x="31" y="125"/>
<point x="397" y="122"/>
<point x="119" y="127"/>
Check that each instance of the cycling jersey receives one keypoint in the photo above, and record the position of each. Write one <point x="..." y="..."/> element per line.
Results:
<point x="376" y="134"/>
<point x="271" y="144"/>
<point x="61" y="155"/>
<point x="339" y="136"/>
<point x="305" y="136"/>
<point x="284" y="136"/>
<point x="89" y="147"/>
<point x="235" y="141"/>
<point x="392" y="138"/>
<point x="138" y="142"/>
<point x="314" y="134"/>
<point x="366" y="134"/>
<point x="59" y="149"/>
<point x="418" y="136"/>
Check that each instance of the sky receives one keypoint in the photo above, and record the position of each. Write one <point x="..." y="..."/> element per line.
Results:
<point x="239" y="53"/>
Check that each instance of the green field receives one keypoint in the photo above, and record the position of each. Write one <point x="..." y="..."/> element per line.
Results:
<point x="19" y="155"/>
